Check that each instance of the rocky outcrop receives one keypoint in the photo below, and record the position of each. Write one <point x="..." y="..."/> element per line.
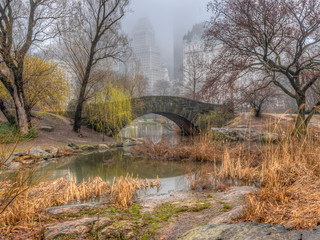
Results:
<point x="249" y="231"/>
<point x="227" y="216"/>
<point x="72" y="209"/>
<point x="78" y="227"/>
<point x="244" y="134"/>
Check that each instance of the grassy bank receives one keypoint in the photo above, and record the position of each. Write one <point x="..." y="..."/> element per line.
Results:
<point x="287" y="172"/>
<point x="10" y="133"/>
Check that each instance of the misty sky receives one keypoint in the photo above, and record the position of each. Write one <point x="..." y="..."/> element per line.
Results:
<point x="165" y="15"/>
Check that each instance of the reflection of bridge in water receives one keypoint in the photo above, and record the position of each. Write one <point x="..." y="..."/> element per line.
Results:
<point x="184" y="112"/>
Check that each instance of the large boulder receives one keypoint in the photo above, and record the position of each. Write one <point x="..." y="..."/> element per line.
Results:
<point x="72" y="209"/>
<point x="79" y="227"/>
<point x="75" y="227"/>
<point x="52" y="150"/>
<point x="38" y="152"/>
<point x="249" y="231"/>
<point x="46" y="128"/>
<point x="14" y="166"/>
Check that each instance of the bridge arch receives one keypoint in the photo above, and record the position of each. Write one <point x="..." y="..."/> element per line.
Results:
<point x="184" y="112"/>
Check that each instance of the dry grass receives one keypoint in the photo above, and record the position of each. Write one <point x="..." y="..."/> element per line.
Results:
<point x="290" y="178"/>
<point x="203" y="178"/>
<point x="201" y="148"/>
<point x="29" y="206"/>
<point x="288" y="173"/>
<point x="124" y="189"/>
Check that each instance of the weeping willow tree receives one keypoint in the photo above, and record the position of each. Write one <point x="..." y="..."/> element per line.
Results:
<point x="110" y="110"/>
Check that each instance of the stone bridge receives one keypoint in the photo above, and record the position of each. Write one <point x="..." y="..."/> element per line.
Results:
<point x="184" y="112"/>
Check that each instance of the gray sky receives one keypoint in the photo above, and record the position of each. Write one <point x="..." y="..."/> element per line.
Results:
<point x="164" y="15"/>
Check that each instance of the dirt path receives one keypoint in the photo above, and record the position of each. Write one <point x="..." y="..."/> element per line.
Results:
<point x="61" y="135"/>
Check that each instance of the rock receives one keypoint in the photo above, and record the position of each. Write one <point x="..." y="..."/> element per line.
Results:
<point x="249" y="231"/>
<point x="73" y="146"/>
<point x="102" y="223"/>
<point x="270" y="137"/>
<point x="53" y="150"/>
<point x="19" y="154"/>
<point x="224" y="133"/>
<point x="72" y="209"/>
<point x="37" y="152"/>
<point x="242" y="126"/>
<point x="86" y="147"/>
<point x="227" y="216"/>
<point x="14" y="166"/>
<point x="75" y="227"/>
<point x="7" y="160"/>
<point x="103" y="146"/>
<point x="243" y="134"/>
<point x="115" y="231"/>
<point x="128" y="143"/>
<point x="235" y="193"/>
<point x="116" y="145"/>
<point x="46" y="128"/>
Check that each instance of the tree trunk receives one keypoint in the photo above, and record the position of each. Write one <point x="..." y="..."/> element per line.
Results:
<point x="78" y="115"/>
<point x="11" y="119"/>
<point x="81" y="99"/>
<point x="301" y="123"/>
<point x="21" y="113"/>
<point x="257" y="112"/>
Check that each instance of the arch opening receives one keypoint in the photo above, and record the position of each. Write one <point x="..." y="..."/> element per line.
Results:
<point x="157" y="126"/>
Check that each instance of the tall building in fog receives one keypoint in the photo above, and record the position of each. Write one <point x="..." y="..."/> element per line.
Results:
<point x="177" y="53"/>
<point x="147" y="53"/>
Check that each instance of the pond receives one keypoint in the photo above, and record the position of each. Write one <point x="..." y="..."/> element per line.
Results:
<point x="115" y="163"/>
<point x="119" y="162"/>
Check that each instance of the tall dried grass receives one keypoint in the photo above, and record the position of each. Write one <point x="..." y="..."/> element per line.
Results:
<point x="29" y="206"/>
<point x="287" y="172"/>
<point x="200" y="148"/>
<point x="124" y="189"/>
<point x="290" y="178"/>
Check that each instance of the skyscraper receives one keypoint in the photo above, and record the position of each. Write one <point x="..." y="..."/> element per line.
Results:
<point x="147" y="53"/>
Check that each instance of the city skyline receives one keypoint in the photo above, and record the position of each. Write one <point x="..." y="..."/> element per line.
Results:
<point x="170" y="22"/>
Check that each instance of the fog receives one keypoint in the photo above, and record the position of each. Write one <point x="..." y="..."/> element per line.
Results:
<point x="167" y="17"/>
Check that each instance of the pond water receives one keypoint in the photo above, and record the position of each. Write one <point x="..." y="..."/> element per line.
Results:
<point x="115" y="163"/>
<point x="119" y="162"/>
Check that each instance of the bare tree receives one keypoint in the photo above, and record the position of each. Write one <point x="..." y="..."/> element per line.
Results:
<point x="278" y="37"/>
<point x="194" y="73"/>
<point x="221" y="83"/>
<point x="92" y="36"/>
<point x="24" y="24"/>
<point x="257" y="95"/>
<point x="162" y="87"/>
<point x="133" y="80"/>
